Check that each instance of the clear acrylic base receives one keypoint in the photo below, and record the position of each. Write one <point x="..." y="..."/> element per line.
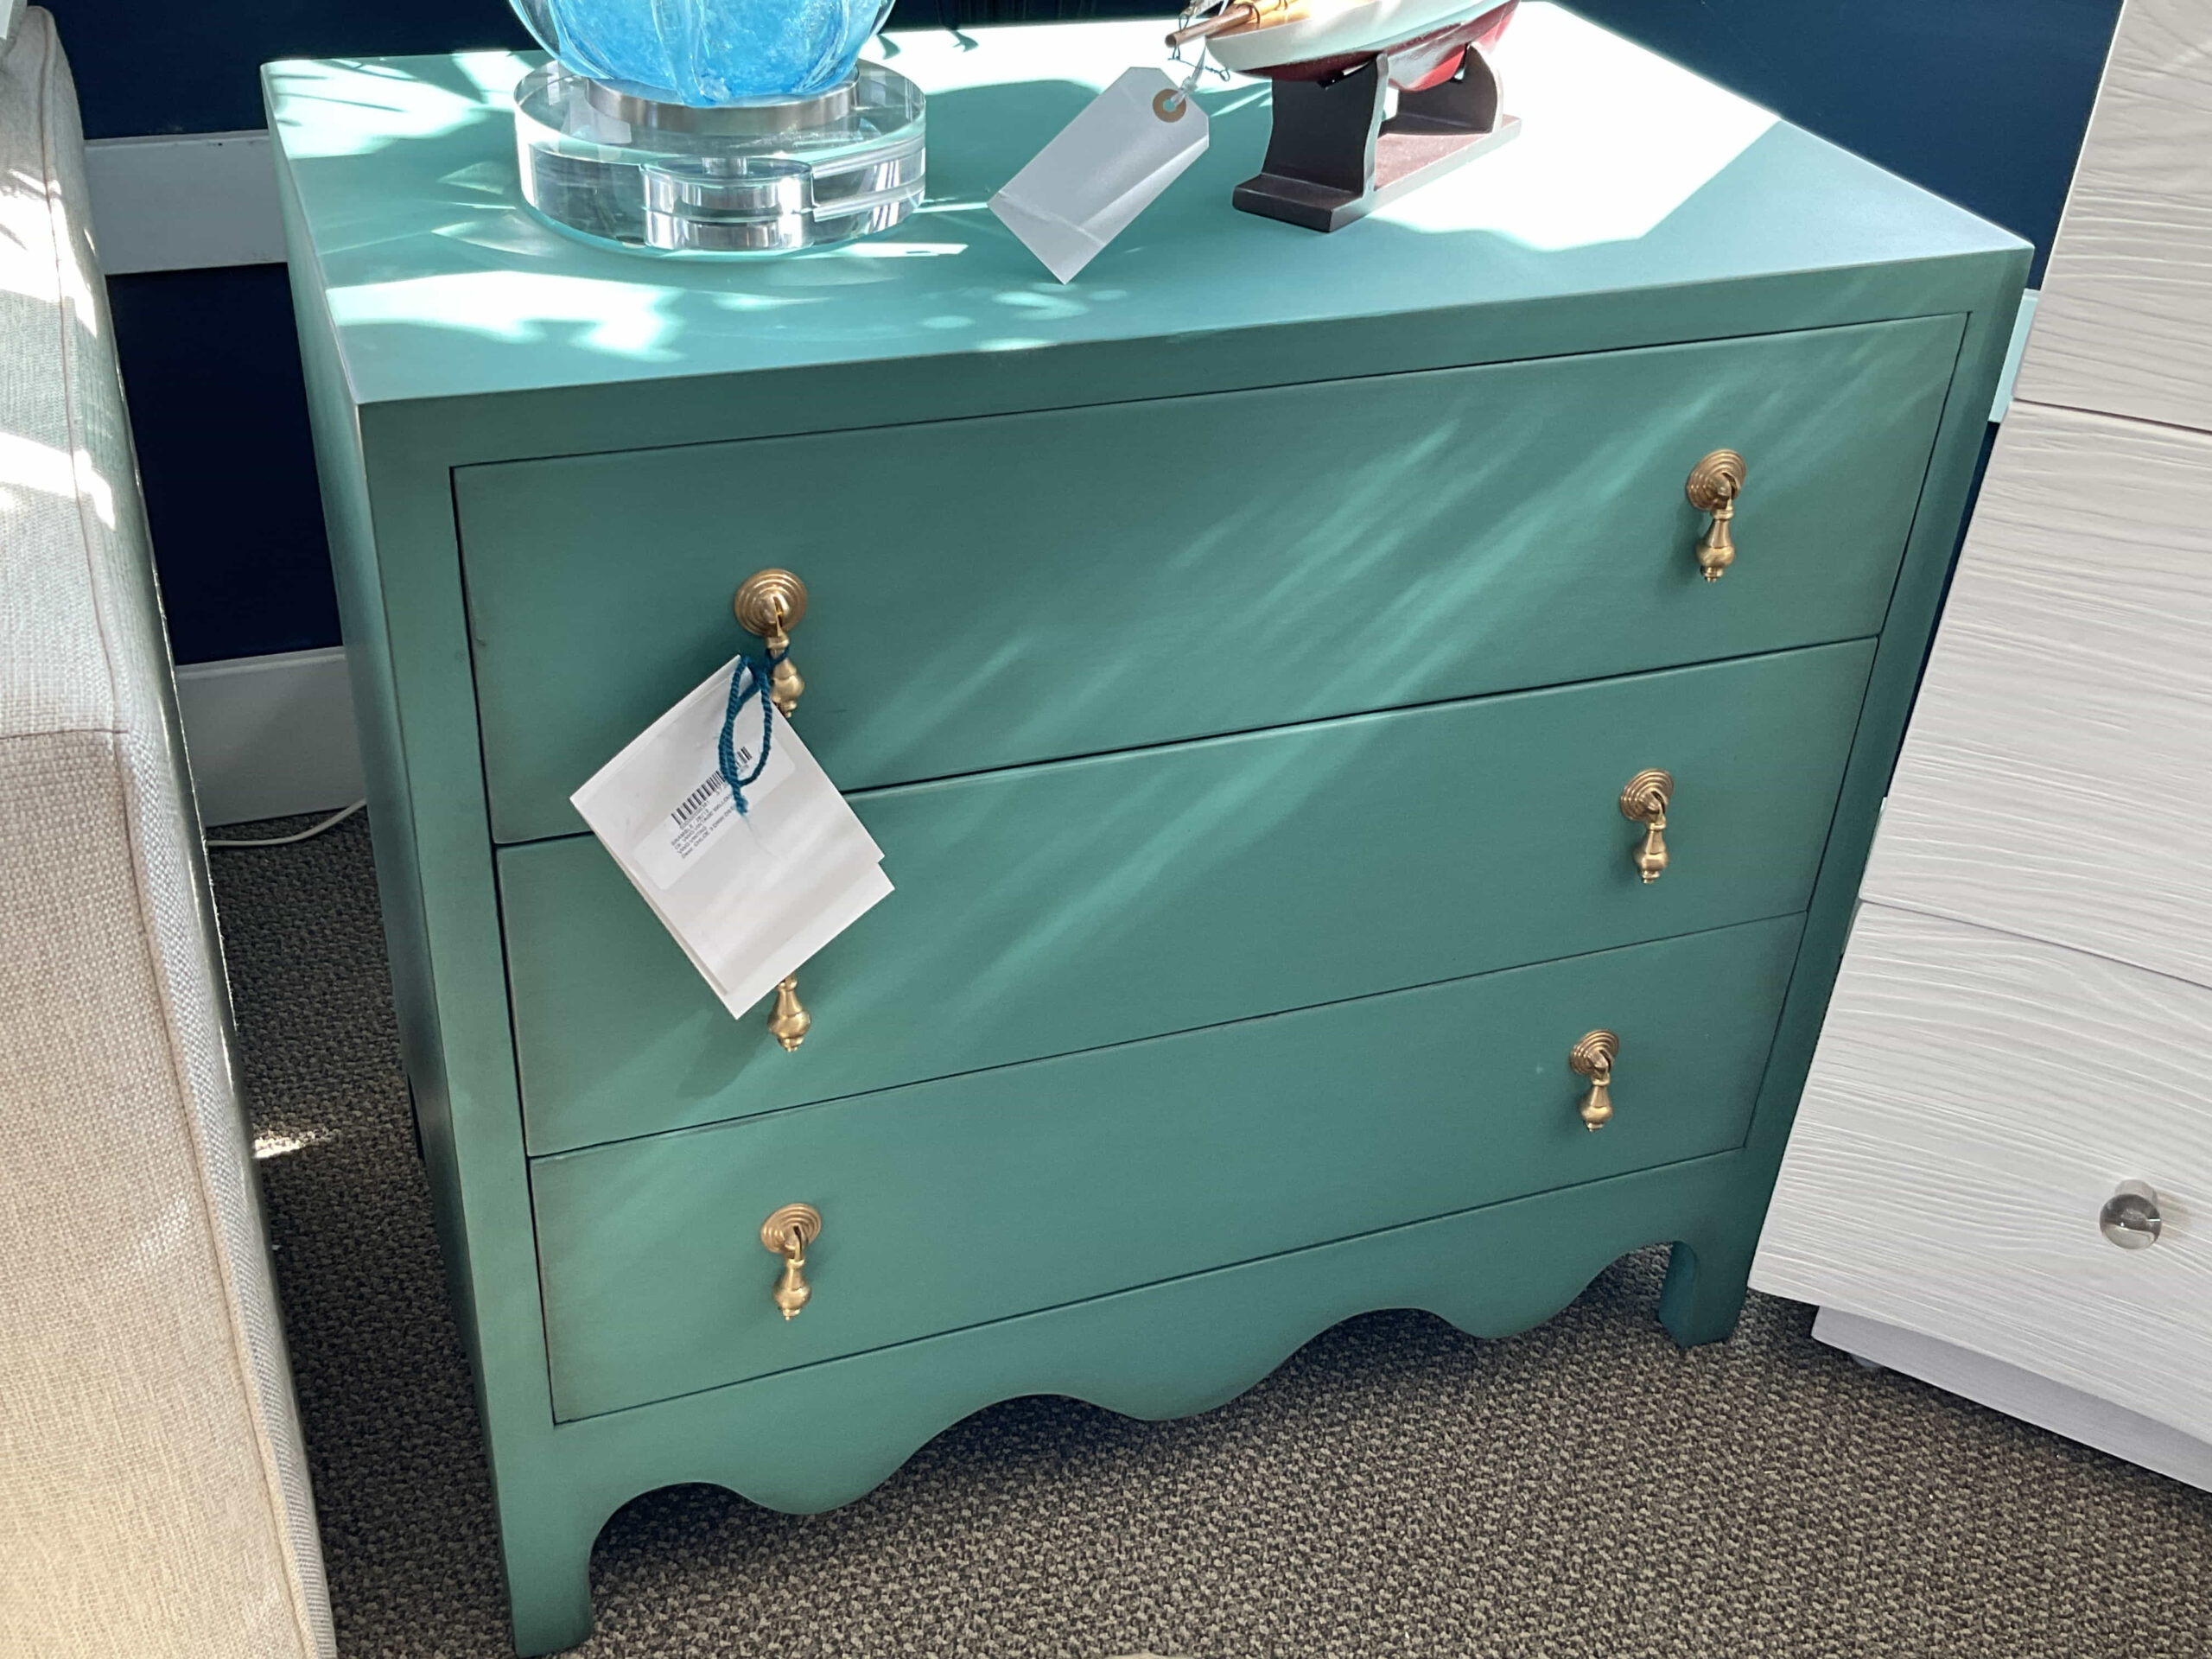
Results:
<point x="757" y="177"/>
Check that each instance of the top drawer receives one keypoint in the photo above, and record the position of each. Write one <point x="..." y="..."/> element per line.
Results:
<point x="994" y="591"/>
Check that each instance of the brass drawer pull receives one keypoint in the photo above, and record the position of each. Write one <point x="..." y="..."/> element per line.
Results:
<point x="1592" y="1057"/>
<point x="1715" y="484"/>
<point x="789" y="1021"/>
<point x="1645" y="801"/>
<point x="769" y="604"/>
<point x="787" y="1233"/>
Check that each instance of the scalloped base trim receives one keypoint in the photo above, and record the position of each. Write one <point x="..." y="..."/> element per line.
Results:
<point x="820" y="1436"/>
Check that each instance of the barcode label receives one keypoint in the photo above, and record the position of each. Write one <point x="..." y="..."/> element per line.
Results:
<point x="704" y="815"/>
<point x="690" y="805"/>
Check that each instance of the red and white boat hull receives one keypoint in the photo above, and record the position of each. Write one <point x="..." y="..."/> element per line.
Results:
<point x="1424" y="38"/>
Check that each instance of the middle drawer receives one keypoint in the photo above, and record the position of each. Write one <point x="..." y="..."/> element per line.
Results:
<point x="1053" y="908"/>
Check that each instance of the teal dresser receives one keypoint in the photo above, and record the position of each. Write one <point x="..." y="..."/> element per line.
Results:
<point x="1248" y="660"/>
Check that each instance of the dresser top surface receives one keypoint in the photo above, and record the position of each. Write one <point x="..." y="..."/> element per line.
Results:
<point x="1630" y="173"/>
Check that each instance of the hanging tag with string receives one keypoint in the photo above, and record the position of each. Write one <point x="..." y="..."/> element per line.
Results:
<point x="731" y="832"/>
<point x="1104" y="168"/>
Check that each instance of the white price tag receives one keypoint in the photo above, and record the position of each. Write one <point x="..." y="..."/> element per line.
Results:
<point x="750" y="895"/>
<point x="1102" y="170"/>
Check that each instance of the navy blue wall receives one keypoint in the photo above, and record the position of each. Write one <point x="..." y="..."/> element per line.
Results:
<point x="209" y="360"/>
<point x="1982" y="101"/>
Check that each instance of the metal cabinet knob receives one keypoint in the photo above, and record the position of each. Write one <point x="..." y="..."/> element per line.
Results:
<point x="1715" y="484"/>
<point x="1644" y="801"/>
<point x="769" y="604"/>
<point x="2130" y="1217"/>
<point x="787" y="1233"/>
<point x="1592" y="1057"/>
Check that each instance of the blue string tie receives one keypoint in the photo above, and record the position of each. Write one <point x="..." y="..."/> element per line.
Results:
<point x="747" y="680"/>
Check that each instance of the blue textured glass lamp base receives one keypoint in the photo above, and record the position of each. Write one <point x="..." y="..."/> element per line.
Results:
<point x="707" y="54"/>
<point x="754" y="176"/>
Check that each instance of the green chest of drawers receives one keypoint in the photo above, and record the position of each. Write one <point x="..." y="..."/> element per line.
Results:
<point x="1239" y="656"/>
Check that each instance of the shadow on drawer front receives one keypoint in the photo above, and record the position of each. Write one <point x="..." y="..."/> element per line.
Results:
<point x="1048" y="909"/>
<point x="993" y="592"/>
<point x="948" y="1203"/>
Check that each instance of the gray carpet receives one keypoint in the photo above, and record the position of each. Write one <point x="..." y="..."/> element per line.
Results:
<point x="1396" y="1491"/>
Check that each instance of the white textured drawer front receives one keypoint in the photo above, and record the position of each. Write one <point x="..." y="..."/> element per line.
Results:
<point x="1975" y="1100"/>
<point x="2055" y="781"/>
<point x="2125" y="323"/>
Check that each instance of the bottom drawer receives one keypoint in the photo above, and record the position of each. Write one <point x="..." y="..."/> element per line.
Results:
<point x="976" y="1198"/>
<point x="1975" y="1100"/>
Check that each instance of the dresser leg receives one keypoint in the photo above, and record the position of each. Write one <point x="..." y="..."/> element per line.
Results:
<point x="1704" y="1293"/>
<point x="549" y="1579"/>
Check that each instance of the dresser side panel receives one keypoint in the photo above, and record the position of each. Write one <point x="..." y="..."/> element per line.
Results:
<point x="389" y="509"/>
<point x="334" y="423"/>
<point x="419" y="564"/>
<point x="1882" y="718"/>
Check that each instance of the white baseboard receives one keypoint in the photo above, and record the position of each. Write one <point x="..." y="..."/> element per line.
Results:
<point x="270" y="736"/>
<point x="185" y="201"/>
<point x="2032" y="1399"/>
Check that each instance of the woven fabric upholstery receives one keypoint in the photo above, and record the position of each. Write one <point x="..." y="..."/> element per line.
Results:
<point x="152" y="1490"/>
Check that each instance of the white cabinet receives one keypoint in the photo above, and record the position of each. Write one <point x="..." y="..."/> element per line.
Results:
<point x="2125" y="323"/>
<point x="2021" y="1025"/>
<point x="2056" y="781"/>
<point x="1976" y="1100"/>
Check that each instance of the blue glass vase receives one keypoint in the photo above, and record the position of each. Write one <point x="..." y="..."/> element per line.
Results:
<point x="707" y="54"/>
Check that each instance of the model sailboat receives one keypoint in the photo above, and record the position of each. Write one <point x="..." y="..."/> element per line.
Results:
<point x="1339" y="150"/>
<point x="1318" y="39"/>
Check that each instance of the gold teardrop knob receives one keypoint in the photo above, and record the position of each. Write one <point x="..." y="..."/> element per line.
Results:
<point x="1592" y="1057"/>
<point x="789" y="1021"/>
<point x="1715" y="484"/>
<point x="787" y="1232"/>
<point x="769" y="604"/>
<point x="1644" y="801"/>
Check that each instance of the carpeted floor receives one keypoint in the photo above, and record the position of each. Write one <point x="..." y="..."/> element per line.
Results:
<point x="1396" y="1491"/>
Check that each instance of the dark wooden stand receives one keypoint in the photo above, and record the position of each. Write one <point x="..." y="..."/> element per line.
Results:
<point x="1332" y="157"/>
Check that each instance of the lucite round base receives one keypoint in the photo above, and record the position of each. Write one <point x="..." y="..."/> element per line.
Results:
<point x="747" y="178"/>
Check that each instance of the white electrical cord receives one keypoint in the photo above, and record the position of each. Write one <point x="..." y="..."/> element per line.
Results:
<point x="308" y="834"/>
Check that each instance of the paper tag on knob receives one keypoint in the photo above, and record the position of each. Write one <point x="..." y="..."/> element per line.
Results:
<point x="1102" y="170"/>
<point x="749" y="896"/>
